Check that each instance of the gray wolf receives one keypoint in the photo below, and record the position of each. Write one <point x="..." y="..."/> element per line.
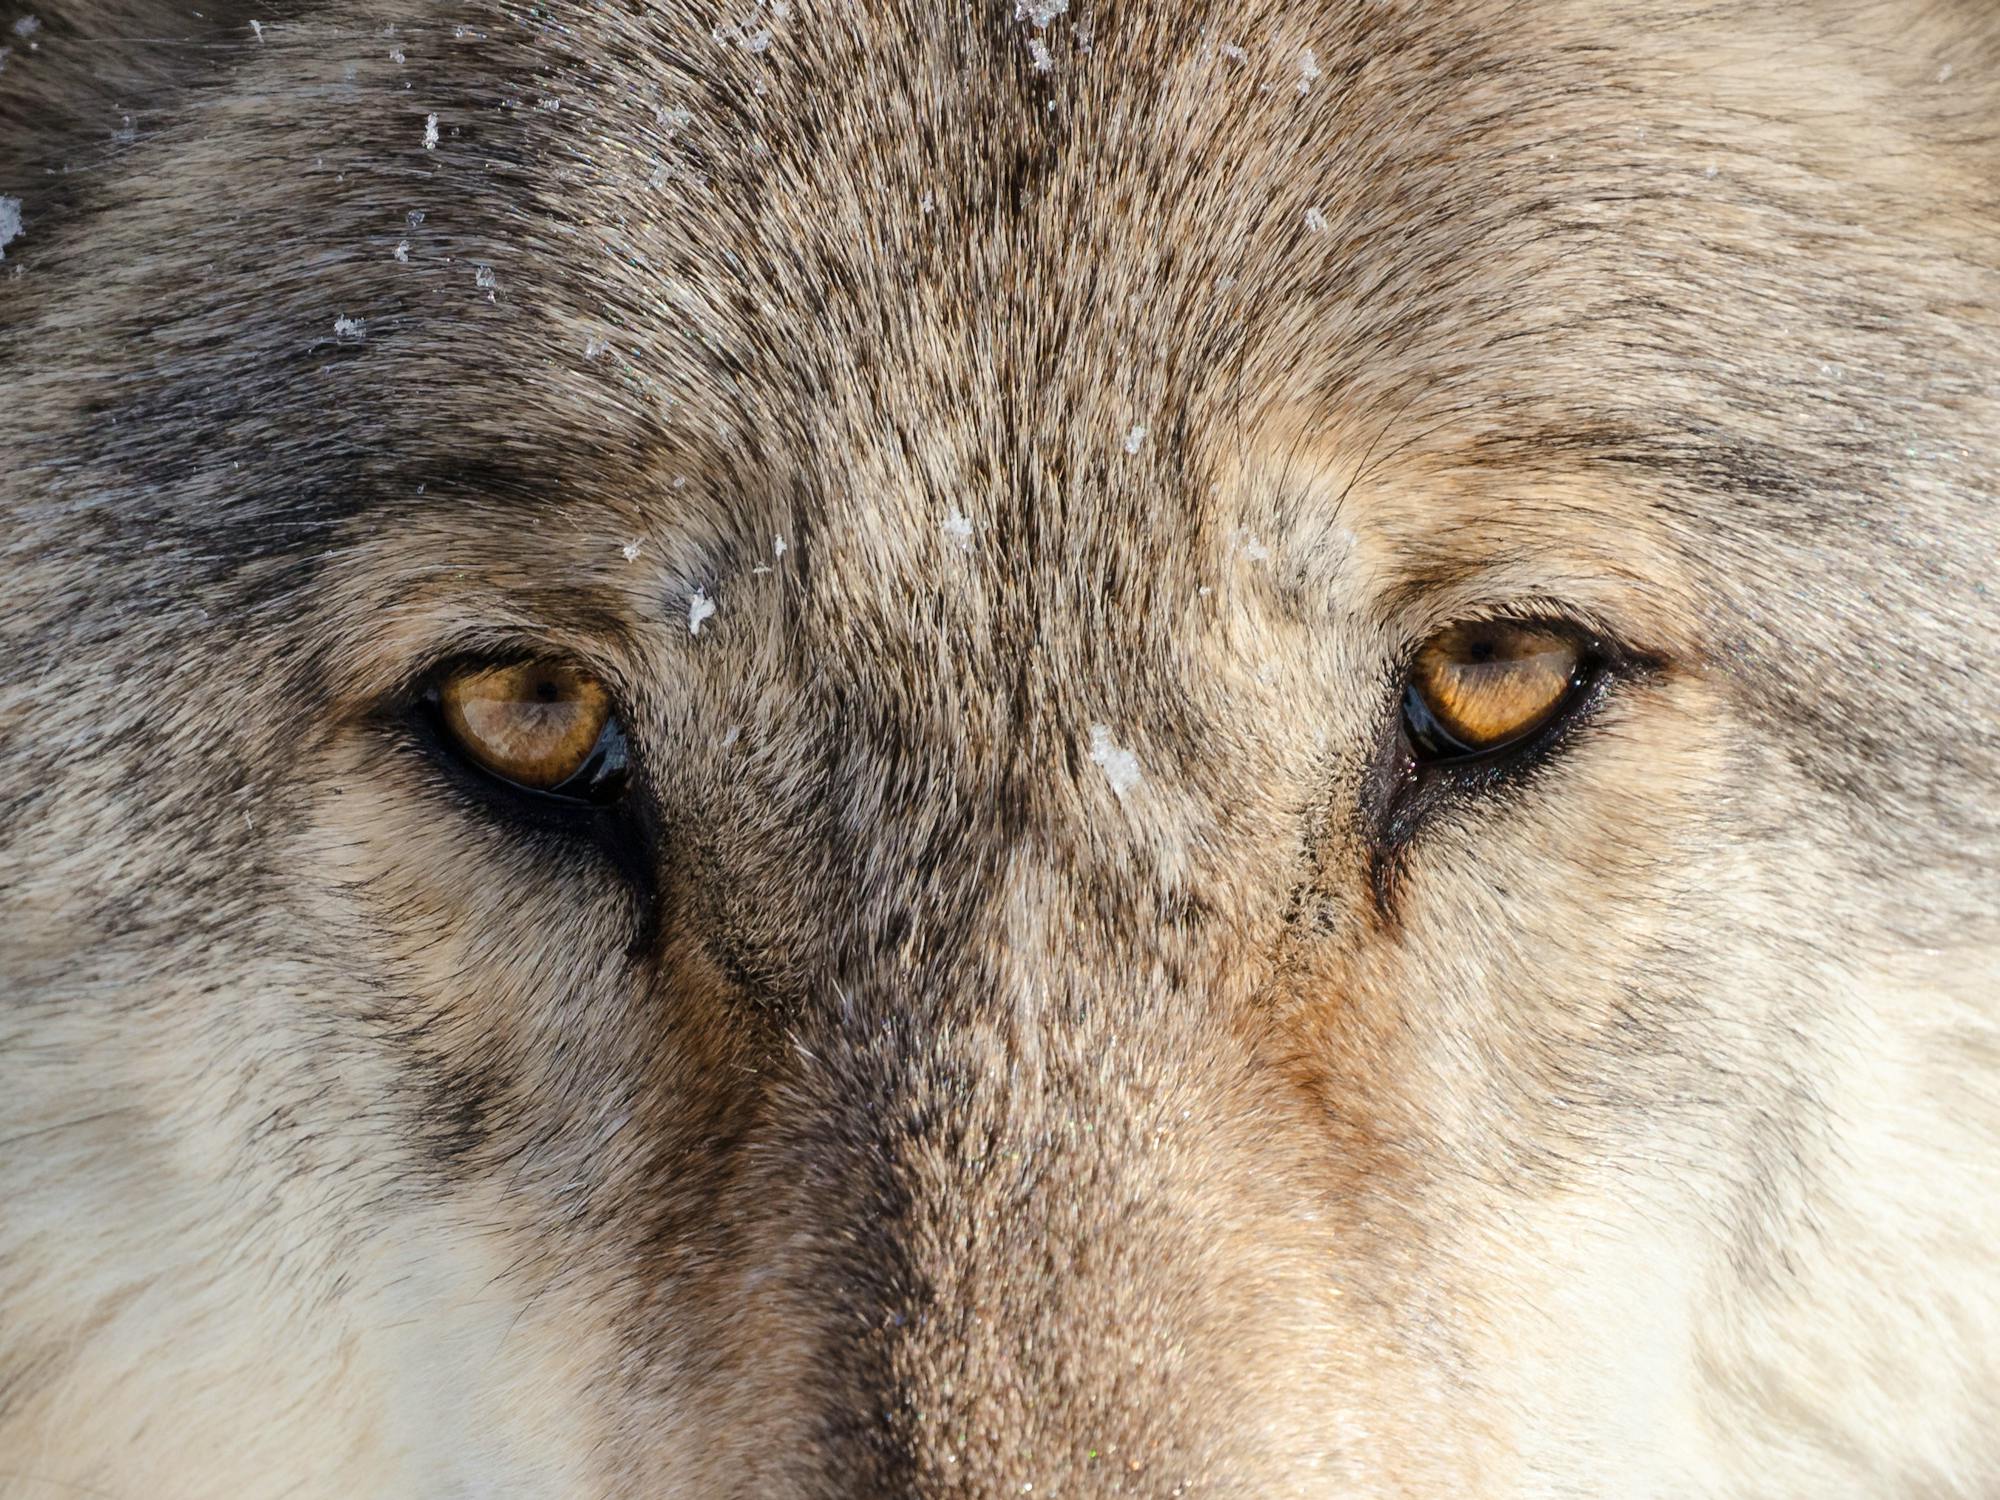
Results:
<point x="787" y="749"/>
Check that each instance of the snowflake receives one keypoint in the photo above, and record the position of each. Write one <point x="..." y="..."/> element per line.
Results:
<point x="1120" y="765"/>
<point x="700" y="607"/>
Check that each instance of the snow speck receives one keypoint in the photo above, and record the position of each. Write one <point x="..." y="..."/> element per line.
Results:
<point x="595" y="348"/>
<point x="928" y="203"/>
<point x="674" y="119"/>
<point x="126" y="133"/>
<point x="1121" y="766"/>
<point x="778" y="547"/>
<point x="403" y="251"/>
<point x="257" y="29"/>
<point x="484" y="279"/>
<point x="1709" y="172"/>
<point x="1233" y="52"/>
<point x="348" y="329"/>
<point x="27" y="26"/>
<point x="1315" y="221"/>
<point x="700" y="607"/>
<point x="958" y="527"/>
<point x="1253" y="550"/>
<point x="630" y="552"/>
<point x="1944" y="74"/>
<point x="10" y="223"/>
<point x="1135" y="439"/>
<point x="396" y="56"/>
<point x="741" y="34"/>
<point x="1038" y="55"/>
<point x="1041" y="12"/>
<point x="430" y="132"/>
<point x="1308" y="71"/>
<point x="415" y="217"/>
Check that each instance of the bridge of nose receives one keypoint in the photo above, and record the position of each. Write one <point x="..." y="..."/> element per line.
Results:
<point x="1042" y="1202"/>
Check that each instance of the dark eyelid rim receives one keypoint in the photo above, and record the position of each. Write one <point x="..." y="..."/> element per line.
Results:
<point x="624" y="830"/>
<point x="1403" y="792"/>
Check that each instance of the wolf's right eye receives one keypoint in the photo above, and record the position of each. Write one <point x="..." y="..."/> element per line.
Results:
<point x="1481" y="687"/>
<point x="541" y="726"/>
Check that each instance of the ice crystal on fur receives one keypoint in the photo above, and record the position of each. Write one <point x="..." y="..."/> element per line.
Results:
<point x="1041" y="12"/>
<point x="700" y="608"/>
<point x="10" y="223"/>
<point x="257" y="29"/>
<point x="1308" y="71"/>
<point x="403" y="250"/>
<point x="1315" y="221"/>
<point x="958" y="527"/>
<point x="1038" y="55"/>
<point x="1134" y="439"/>
<point x="347" y="329"/>
<point x="1120" y="765"/>
<point x="631" y="554"/>
<point x="430" y="132"/>
<point x="27" y="26"/>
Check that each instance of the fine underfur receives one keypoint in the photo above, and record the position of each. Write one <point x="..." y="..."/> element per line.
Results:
<point x="914" y="1109"/>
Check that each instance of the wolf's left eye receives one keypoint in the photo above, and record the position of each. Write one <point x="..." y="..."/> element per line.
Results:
<point x="1481" y="687"/>
<point x="541" y="726"/>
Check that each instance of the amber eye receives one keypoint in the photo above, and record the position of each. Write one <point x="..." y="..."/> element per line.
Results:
<point x="1483" y="686"/>
<point x="540" y="725"/>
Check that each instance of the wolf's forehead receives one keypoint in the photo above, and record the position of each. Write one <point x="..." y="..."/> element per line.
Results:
<point x="1009" y="277"/>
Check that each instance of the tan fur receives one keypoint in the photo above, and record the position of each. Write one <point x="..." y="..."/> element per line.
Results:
<point x="920" y="1113"/>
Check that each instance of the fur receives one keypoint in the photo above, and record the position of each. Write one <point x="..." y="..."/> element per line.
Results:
<point x="915" y="1109"/>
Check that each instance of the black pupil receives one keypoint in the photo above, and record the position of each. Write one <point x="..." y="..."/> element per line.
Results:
<point x="547" y="691"/>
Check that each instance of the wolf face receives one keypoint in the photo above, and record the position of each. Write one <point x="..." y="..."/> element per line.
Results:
<point x="1285" y="720"/>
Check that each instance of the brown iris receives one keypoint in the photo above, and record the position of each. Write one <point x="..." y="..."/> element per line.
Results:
<point x="534" y="723"/>
<point x="1480" y="686"/>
